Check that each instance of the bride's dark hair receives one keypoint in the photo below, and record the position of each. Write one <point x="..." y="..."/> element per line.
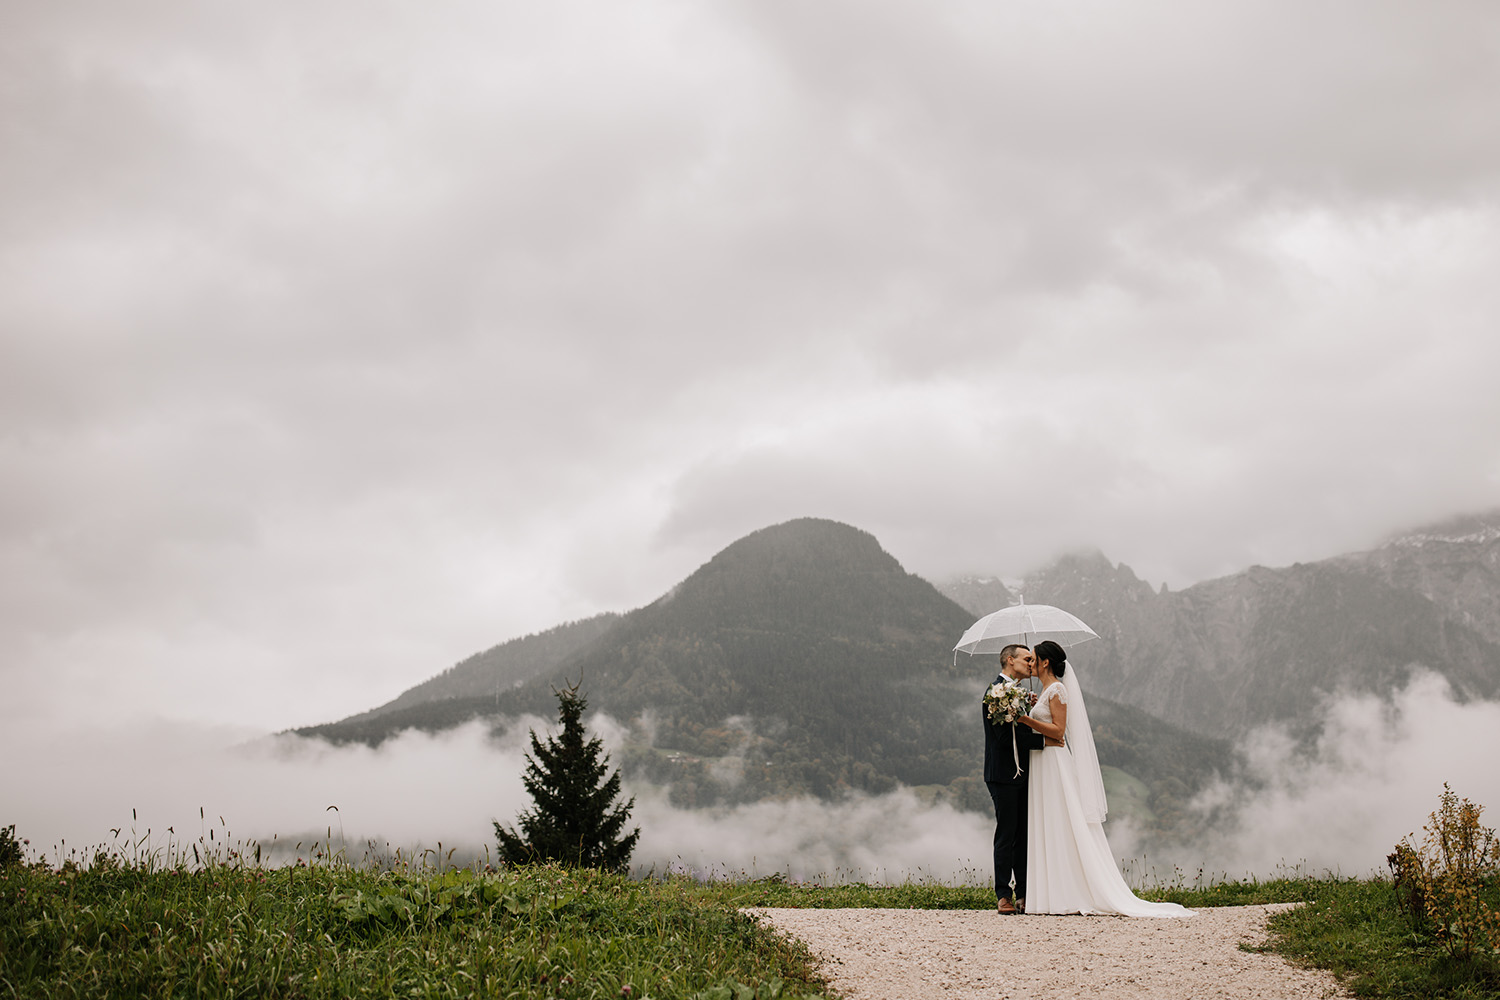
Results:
<point x="1056" y="657"/>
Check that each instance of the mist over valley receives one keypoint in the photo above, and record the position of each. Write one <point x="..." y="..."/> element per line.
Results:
<point x="794" y="706"/>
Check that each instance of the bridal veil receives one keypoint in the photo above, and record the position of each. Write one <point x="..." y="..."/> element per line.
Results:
<point x="1080" y="740"/>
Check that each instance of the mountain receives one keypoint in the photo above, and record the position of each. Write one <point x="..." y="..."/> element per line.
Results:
<point x="808" y="632"/>
<point x="802" y="659"/>
<point x="501" y="667"/>
<point x="979" y="595"/>
<point x="1456" y="565"/>
<point x="1223" y="656"/>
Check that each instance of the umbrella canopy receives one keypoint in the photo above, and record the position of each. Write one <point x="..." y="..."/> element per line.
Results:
<point x="1024" y="623"/>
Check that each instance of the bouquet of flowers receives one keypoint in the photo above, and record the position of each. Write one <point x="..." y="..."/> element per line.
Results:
<point x="1006" y="703"/>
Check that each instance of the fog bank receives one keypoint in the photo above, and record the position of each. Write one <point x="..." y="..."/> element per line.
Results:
<point x="1372" y="777"/>
<point x="418" y="791"/>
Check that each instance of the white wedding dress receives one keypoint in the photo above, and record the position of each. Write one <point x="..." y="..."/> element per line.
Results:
<point x="1070" y="868"/>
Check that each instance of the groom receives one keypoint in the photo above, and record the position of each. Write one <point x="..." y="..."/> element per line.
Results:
<point x="1007" y="788"/>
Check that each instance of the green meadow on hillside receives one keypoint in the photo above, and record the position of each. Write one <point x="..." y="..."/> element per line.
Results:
<point x="206" y="919"/>
<point x="148" y="930"/>
<point x="116" y="931"/>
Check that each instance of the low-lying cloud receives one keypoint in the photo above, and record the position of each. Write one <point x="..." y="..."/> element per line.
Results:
<point x="1371" y="778"/>
<point x="418" y="791"/>
<point x="414" y="790"/>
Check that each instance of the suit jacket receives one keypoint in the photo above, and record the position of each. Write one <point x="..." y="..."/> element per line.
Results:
<point x="999" y="759"/>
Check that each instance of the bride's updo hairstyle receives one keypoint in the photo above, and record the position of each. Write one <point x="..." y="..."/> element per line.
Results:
<point x="1056" y="657"/>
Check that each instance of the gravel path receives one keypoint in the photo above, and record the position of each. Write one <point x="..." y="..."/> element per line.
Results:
<point x="972" y="954"/>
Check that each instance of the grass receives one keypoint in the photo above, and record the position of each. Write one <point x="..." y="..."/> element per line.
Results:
<point x="340" y="931"/>
<point x="1354" y="928"/>
<point x="931" y="894"/>
<point x="237" y="929"/>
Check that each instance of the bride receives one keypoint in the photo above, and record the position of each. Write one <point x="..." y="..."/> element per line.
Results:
<point x="1072" y="868"/>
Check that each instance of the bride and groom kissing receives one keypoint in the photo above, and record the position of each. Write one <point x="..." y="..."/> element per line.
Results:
<point x="1043" y="776"/>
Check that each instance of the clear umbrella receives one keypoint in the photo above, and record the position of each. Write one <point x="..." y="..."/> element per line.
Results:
<point x="1025" y="623"/>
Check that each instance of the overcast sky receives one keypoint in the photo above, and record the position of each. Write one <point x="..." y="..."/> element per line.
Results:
<point x="341" y="340"/>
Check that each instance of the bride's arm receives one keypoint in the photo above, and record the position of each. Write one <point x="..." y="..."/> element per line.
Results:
<point x="1052" y="730"/>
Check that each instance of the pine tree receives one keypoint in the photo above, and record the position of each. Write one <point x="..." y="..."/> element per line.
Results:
<point x="10" y="847"/>
<point x="574" y="820"/>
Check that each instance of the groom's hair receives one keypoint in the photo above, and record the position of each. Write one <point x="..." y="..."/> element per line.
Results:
<point x="1009" y="653"/>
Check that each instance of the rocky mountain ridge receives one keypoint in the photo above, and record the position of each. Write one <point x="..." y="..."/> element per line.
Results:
<point x="1225" y="655"/>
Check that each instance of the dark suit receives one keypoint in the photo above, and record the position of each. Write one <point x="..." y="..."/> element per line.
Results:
<point x="1008" y="792"/>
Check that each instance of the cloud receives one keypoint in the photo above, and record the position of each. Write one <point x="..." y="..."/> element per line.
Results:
<point x="1159" y="84"/>
<point x="886" y="838"/>
<point x="340" y="344"/>
<point x="1373" y="777"/>
<point x="417" y="791"/>
<point x="1185" y="436"/>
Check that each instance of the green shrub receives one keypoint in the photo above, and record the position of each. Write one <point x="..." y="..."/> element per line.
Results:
<point x="1440" y="885"/>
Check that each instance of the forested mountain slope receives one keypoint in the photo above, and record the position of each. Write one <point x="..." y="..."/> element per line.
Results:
<point x="499" y="668"/>
<point x="802" y="659"/>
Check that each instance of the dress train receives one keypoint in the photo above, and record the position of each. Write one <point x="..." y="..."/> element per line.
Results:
<point x="1070" y="866"/>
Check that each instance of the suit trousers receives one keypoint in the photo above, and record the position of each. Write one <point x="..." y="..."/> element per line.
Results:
<point x="1010" y="836"/>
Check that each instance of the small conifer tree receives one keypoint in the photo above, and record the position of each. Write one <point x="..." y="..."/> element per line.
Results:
<point x="10" y="847"/>
<point x="575" y="820"/>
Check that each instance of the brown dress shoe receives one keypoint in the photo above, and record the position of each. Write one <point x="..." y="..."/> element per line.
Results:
<point x="1021" y="905"/>
<point x="1005" y="906"/>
